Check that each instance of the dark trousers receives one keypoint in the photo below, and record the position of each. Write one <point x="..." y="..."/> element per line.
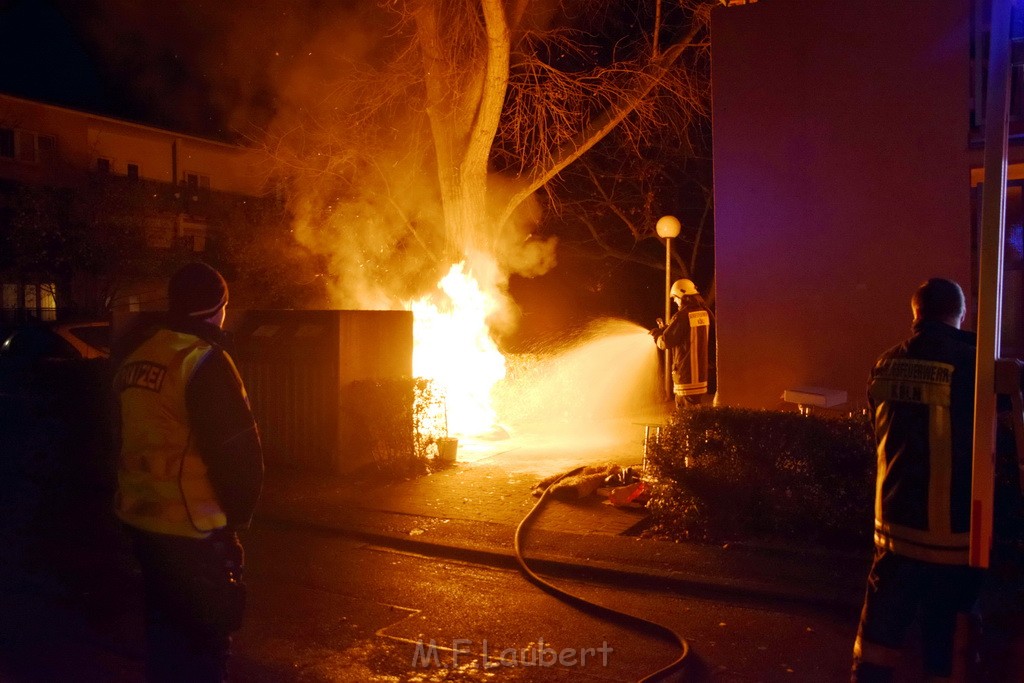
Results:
<point x="683" y="402"/>
<point x="194" y="600"/>
<point x="900" y="591"/>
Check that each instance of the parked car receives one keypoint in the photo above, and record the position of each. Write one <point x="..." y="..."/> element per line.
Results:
<point x="56" y="430"/>
<point x="52" y="360"/>
<point x="69" y="341"/>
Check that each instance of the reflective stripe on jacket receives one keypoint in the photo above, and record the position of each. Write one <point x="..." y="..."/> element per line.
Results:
<point x="687" y="335"/>
<point x="163" y="483"/>
<point x="921" y="394"/>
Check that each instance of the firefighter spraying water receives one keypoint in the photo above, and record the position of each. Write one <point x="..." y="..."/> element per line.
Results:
<point x="687" y="336"/>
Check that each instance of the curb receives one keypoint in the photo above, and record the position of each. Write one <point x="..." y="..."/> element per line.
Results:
<point x="703" y="586"/>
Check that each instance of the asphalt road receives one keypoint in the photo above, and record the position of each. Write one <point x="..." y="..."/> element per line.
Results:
<point x="329" y="608"/>
<point x="326" y="608"/>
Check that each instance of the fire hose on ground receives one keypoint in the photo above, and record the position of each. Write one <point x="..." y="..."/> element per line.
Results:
<point x="618" y="617"/>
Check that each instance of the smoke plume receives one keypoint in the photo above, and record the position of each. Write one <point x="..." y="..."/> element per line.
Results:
<point x="324" y="89"/>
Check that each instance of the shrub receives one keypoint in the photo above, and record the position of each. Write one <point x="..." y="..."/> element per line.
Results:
<point x="728" y="474"/>
<point x="398" y="421"/>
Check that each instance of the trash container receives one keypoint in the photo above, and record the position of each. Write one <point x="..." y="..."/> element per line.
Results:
<point x="446" y="449"/>
<point x="298" y="367"/>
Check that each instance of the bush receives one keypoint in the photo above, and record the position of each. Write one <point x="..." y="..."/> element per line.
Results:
<point x="729" y="474"/>
<point x="398" y="421"/>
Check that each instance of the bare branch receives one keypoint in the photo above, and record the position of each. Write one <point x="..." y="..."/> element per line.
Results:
<point x="583" y="142"/>
<point x="468" y="107"/>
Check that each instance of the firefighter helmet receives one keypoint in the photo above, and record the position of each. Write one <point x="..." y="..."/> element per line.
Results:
<point x="683" y="287"/>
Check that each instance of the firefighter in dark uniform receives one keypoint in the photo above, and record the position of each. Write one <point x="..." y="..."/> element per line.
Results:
<point x="189" y="476"/>
<point x="921" y="394"/>
<point x="688" y="336"/>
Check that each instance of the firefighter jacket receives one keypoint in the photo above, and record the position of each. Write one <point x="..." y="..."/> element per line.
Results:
<point x="921" y="395"/>
<point x="190" y="460"/>
<point x="687" y="335"/>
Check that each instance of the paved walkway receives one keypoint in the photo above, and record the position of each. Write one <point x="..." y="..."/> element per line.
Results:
<point x="472" y="509"/>
<point x="490" y="482"/>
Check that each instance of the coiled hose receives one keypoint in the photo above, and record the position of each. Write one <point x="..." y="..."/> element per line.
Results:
<point x="601" y="611"/>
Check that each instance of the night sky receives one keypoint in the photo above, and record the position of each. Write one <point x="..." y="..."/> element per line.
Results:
<point x="207" y="68"/>
<point x="44" y="58"/>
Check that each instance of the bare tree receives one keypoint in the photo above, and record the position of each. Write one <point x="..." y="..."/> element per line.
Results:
<point x="439" y="137"/>
<point x="609" y="203"/>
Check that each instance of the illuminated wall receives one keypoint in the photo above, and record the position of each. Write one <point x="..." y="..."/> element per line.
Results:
<point x="842" y="180"/>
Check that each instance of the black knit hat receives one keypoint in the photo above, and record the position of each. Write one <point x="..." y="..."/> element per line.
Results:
<point x="197" y="290"/>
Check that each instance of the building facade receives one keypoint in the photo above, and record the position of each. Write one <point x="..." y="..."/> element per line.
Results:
<point x="92" y="208"/>
<point x="847" y="170"/>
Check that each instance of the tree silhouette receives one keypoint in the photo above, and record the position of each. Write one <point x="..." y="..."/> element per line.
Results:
<point x="433" y="144"/>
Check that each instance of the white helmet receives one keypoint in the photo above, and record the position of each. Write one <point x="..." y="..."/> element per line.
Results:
<point x="683" y="287"/>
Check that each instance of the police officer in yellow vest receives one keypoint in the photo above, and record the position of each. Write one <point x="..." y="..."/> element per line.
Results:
<point x="688" y="336"/>
<point x="189" y="477"/>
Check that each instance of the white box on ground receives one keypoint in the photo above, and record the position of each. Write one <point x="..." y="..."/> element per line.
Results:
<point x="819" y="397"/>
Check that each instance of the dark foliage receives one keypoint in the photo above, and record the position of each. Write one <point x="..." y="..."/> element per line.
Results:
<point x="57" y="480"/>
<point x="1008" y="530"/>
<point x="396" y="424"/>
<point x="730" y="474"/>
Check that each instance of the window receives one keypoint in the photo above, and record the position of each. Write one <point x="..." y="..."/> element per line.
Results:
<point x="30" y="297"/>
<point x="36" y="300"/>
<point x="25" y="144"/>
<point x="47" y="301"/>
<point x="10" y="297"/>
<point x="195" y="182"/>
<point x="192" y="236"/>
<point x="103" y="165"/>
<point x="47" y="145"/>
<point x="6" y="143"/>
<point x="133" y="171"/>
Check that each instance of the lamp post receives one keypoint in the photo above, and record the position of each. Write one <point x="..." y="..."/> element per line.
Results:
<point x="668" y="227"/>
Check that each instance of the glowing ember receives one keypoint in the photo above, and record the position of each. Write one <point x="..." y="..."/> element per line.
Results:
<point x="453" y="347"/>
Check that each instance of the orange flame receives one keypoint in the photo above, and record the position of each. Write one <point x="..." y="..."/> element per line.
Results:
<point x="452" y="346"/>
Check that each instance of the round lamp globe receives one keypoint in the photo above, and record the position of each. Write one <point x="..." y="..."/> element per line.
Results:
<point x="668" y="226"/>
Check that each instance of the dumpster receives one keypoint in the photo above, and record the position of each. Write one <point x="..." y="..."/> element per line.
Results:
<point x="304" y="371"/>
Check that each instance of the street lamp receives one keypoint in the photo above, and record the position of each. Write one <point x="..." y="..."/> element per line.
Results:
<point x="668" y="227"/>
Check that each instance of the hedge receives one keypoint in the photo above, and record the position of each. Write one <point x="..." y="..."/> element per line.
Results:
<point x="730" y="474"/>
<point x="396" y="423"/>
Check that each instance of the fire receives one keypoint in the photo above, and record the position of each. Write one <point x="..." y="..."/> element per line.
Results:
<point x="452" y="346"/>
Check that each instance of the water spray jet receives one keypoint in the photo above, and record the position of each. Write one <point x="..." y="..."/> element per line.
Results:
<point x="588" y="388"/>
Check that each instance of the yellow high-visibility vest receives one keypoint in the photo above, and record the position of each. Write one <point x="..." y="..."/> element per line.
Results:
<point x="162" y="482"/>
